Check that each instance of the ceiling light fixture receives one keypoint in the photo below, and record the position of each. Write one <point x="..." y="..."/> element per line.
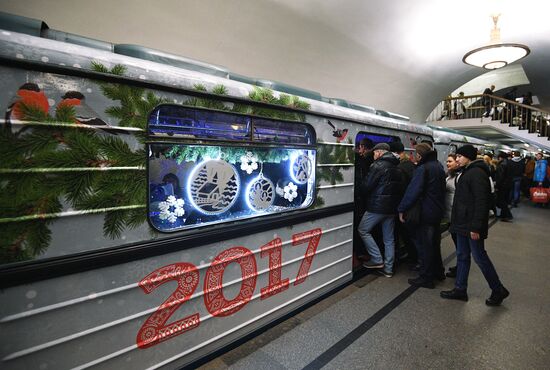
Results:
<point x="496" y="54"/>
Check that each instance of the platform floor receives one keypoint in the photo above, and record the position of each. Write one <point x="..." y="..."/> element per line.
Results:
<point x="383" y="323"/>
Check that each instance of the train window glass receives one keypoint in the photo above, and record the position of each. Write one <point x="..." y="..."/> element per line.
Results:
<point x="375" y="138"/>
<point x="179" y="121"/>
<point x="196" y="185"/>
<point x="452" y="148"/>
<point x="282" y="132"/>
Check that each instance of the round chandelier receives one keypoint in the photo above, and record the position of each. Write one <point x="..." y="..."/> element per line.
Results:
<point x="496" y="54"/>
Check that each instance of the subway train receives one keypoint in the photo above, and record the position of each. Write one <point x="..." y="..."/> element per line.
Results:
<point x="156" y="209"/>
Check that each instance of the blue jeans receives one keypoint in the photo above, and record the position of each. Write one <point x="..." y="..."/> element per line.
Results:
<point x="368" y="222"/>
<point x="464" y="247"/>
<point x="516" y="191"/>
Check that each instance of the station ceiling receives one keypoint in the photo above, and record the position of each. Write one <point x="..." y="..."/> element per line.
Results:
<point x="398" y="55"/>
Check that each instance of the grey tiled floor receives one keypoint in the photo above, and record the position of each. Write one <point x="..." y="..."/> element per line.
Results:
<point x="425" y="331"/>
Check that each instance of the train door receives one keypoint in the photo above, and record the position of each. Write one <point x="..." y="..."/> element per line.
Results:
<point x="364" y="142"/>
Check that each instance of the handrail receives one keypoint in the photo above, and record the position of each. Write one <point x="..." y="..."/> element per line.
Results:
<point x="523" y="116"/>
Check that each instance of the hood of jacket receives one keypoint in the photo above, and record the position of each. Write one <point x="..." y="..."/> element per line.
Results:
<point x="481" y="164"/>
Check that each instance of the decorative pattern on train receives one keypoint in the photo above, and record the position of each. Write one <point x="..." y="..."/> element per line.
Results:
<point x="73" y="146"/>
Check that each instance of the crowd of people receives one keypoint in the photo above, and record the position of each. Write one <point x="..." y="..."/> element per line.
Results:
<point x="403" y="203"/>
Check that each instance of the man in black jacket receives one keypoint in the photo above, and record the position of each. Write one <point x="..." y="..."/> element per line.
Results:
<point x="503" y="186"/>
<point x="382" y="190"/>
<point x="470" y="215"/>
<point x="427" y="187"/>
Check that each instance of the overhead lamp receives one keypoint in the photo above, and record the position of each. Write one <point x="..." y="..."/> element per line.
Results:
<point x="496" y="54"/>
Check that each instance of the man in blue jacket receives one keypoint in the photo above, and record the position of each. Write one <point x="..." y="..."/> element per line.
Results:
<point x="427" y="187"/>
<point x="382" y="190"/>
<point x="470" y="215"/>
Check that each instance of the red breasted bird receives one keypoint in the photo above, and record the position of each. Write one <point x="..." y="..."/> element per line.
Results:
<point x="339" y="134"/>
<point x="29" y="96"/>
<point x="83" y="113"/>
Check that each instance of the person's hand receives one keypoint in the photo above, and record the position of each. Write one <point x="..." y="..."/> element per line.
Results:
<point x="402" y="217"/>
<point x="474" y="236"/>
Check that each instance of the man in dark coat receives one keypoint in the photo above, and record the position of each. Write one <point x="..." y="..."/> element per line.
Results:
<point x="364" y="157"/>
<point x="503" y="186"/>
<point x="382" y="190"/>
<point x="404" y="243"/>
<point x="428" y="187"/>
<point x="487" y="100"/>
<point x="470" y="215"/>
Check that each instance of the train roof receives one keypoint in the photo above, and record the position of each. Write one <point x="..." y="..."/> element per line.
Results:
<point x="32" y="40"/>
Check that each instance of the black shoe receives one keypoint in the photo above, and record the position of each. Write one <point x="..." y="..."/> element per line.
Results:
<point x="373" y="265"/>
<point x="452" y="272"/>
<point x="422" y="283"/>
<point x="457" y="294"/>
<point x="497" y="296"/>
<point x="385" y="273"/>
<point x="440" y="277"/>
<point x="506" y="220"/>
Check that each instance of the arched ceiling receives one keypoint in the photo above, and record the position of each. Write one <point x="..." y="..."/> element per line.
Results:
<point x="397" y="55"/>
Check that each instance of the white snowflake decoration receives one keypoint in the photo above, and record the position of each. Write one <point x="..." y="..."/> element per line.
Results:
<point x="171" y="209"/>
<point x="290" y="191"/>
<point x="249" y="163"/>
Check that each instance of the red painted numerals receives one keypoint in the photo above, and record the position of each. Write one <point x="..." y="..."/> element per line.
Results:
<point x="215" y="301"/>
<point x="274" y="251"/>
<point x="155" y="329"/>
<point x="312" y="237"/>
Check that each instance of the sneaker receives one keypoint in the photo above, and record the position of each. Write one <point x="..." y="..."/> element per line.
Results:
<point x="422" y="283"/>
<point x="385" y="273"/>
<point x="505" y="220"/>
<point x="497" y="296"/>
<point x="457" y="294"/>
<point x="373" y="265"/>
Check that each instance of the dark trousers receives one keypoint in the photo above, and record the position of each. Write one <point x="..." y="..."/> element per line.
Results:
<point x="429" y="251"/>
<point x="503" y="199"/>
<point x="476" y="248"/>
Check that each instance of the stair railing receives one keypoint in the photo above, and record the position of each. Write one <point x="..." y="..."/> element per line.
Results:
<point x="526" y="117"/>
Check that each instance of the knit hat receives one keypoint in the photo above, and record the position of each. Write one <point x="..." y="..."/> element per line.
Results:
<point x="397" y="147"/>
<point x="382" y="146"/>
<point x="423" y="149"/>
<point x="468" y="151"/>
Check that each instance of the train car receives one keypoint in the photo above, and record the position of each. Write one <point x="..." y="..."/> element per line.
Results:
<point x="446" y="141"/>
<point x="157" y="209"/>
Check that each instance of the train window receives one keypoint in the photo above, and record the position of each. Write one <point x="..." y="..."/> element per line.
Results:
<point x="178" y="121"/>
<point x="192" y="185"/>
<point x="452" y="148"/>
<point x="282" y="132"/>
<point x="376" y="138"/>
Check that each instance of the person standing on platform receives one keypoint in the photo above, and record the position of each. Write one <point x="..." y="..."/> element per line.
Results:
<point x="503" y="187"/>
<point x="470" y="215"/>
<point x="404" y="243"/>
<point x="517" y="169"/>
<point x="453" y="170"/>
<point x="382" y="190"/>
<point x="427" y="187"/>
<point x="540" y="175"/>
<point x="364" y="157"/>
